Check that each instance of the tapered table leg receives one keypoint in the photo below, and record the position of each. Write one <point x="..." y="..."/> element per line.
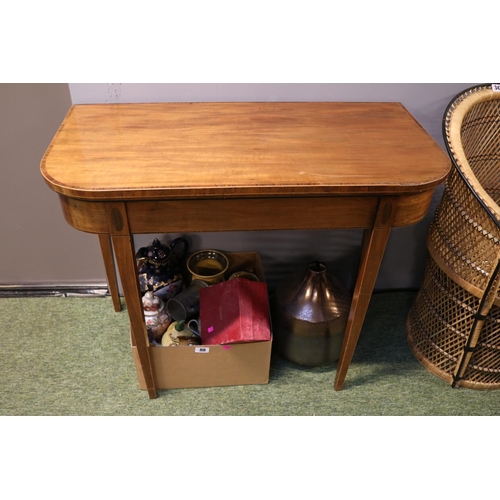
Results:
<point x="125" y="260"/>
<point x="372" y="252"/>
<point x="109" y="265"/>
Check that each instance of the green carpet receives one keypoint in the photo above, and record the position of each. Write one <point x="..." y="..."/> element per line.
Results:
<point x="71" y="356"/>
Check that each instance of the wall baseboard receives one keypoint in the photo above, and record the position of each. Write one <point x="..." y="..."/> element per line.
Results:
<point x="50" y="290"/>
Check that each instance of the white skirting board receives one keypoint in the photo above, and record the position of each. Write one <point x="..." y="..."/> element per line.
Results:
<point x="54" y="290"/>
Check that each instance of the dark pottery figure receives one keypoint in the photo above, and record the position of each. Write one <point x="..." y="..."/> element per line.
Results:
<point x="309" y="311"/>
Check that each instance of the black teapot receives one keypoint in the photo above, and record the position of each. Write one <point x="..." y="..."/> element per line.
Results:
<point x="159" y="267"/>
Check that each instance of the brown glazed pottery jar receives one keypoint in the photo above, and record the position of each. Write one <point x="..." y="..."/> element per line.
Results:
<point x="309" y="313"/>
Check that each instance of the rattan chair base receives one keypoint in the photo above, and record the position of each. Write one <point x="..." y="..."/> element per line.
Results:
<point x="437" y="327"/>
<point x="412" y="332"/>
<point x="468" y="384"/>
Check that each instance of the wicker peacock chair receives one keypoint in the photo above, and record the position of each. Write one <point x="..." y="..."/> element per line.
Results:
<point x="453" y="327"/>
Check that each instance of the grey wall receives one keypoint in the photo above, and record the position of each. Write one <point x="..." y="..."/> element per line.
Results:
<point x="38" y="246"/>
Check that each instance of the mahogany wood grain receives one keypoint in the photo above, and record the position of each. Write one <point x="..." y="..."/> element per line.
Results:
<point x="372" y="251"/>
<point x="125" y="259"/>
<point x="178" y="150"/>
<point x="249" y="213"/>
<point x="121" y="169"/>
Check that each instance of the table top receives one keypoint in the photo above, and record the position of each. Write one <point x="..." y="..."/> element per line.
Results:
<point x="260" y="149"/>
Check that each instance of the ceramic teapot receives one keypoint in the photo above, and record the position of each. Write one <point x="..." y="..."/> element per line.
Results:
<point x="159" y="267"/>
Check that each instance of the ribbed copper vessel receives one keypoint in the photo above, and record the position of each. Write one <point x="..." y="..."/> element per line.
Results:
<point x="309" y="313"/>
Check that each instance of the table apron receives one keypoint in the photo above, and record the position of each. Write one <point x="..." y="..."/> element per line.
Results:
<point x="249" y="214"/>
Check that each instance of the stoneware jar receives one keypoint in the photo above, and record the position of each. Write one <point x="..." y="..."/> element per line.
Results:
<point x="309" y="312"/>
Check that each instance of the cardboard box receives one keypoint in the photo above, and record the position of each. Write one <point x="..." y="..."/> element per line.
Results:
<point x="213" y="365"/>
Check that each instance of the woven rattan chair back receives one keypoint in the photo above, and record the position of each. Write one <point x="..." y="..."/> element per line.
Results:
<point x="454" y="326"/>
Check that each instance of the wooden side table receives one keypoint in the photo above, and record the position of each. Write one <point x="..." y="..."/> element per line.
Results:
<point x="124" y="169"/>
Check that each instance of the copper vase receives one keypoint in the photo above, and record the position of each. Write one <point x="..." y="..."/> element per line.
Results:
<point x="309" y="314"/>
